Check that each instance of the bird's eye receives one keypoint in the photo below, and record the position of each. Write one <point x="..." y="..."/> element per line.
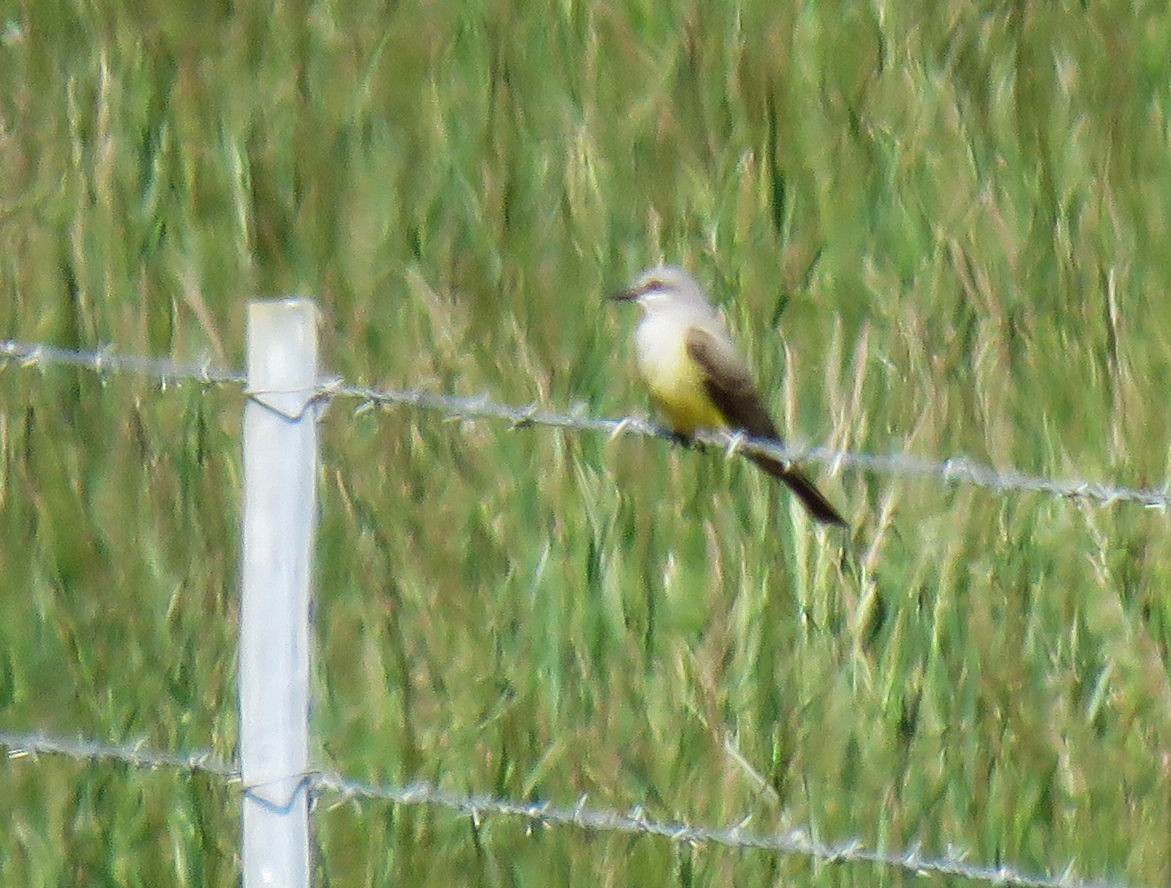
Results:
<point x="653" y="285"/>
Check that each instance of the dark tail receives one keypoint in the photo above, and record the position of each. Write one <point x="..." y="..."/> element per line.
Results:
<point x="819" y="507"/>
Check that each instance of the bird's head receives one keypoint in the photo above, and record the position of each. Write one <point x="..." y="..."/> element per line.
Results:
<point x="662" y="288"/>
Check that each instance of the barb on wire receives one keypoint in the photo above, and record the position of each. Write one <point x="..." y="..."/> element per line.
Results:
<point x="955" y="470"/>
<point x="581" y="816"/>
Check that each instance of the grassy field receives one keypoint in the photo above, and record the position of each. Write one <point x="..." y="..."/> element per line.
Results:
<point x="940" y="231"/>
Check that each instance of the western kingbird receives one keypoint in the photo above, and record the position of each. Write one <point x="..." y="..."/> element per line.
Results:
<point x="696" y="375"/>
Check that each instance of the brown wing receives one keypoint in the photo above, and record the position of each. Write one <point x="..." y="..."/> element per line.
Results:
<point x="731" y="388"/>
<point x="729" y="384"/>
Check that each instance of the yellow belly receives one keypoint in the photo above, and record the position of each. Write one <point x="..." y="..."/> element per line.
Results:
<point x="677" y="386"/>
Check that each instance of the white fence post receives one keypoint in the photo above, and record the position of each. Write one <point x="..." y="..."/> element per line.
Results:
<point x="280" y="504"/>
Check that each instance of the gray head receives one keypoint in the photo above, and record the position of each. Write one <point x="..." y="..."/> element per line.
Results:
<point x="664" y="287"/>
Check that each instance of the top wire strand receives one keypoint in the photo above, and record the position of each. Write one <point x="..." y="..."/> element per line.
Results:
<point x="953" y="470"/>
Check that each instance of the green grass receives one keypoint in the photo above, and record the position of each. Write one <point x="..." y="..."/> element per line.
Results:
<point x="943" y="231"/>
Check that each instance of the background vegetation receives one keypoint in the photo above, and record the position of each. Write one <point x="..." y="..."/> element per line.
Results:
<point x="941" y="228"/>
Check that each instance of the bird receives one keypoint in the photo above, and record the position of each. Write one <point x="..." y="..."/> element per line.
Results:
<point x="697" y="378"/>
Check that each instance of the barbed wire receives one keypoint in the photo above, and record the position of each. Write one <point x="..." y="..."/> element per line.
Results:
<point x="107" y="360"/>
<point x="952" y="470"/>
<point x="137" y="755"/>
<point x="792" y="843"/>
<point x="796" y="843"/>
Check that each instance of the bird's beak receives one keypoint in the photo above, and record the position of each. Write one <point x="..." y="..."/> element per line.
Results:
<point x="625" y="295"/>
